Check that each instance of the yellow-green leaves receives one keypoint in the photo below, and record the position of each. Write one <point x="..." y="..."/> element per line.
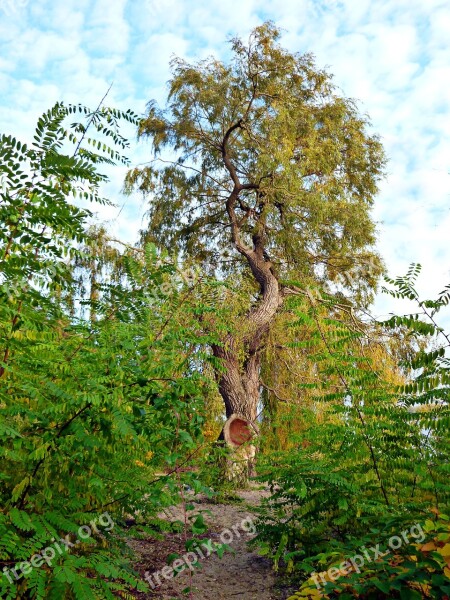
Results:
<point x="303" y="153"/>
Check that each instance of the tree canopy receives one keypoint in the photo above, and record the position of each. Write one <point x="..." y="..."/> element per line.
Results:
<point x="265" y="152"/>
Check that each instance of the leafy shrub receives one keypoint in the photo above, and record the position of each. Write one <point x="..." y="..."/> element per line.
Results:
<point x="414" y="571"/>
<point x="96" y="413"/>
<point x="376" y="457"/>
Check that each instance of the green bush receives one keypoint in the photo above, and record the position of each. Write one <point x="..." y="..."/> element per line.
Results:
<point x="96" y="413"/>
<point x="376" y="459"/>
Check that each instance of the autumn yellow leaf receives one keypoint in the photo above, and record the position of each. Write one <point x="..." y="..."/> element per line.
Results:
<point x="445" y="550"/>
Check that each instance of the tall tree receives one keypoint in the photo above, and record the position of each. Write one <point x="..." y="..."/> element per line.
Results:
<point x="270" y="175"/>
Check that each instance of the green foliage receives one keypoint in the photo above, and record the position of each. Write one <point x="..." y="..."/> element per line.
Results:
<point x="104" y="359"/>
<point x="95" y="415"/>
<point x="372" y="455"/>
<point x="38" y="221"/>
<point x="417" y="569"/>
<point x="271" y="126"/>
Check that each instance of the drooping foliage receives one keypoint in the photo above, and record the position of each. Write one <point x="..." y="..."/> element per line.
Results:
<point x="272" y="124"/>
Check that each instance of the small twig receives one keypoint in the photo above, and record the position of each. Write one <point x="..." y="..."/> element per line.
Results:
<point x="274" y="393"/>
<point x="91" y="120"/>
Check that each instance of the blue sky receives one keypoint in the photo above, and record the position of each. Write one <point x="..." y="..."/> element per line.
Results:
<point x="393" y="56"/>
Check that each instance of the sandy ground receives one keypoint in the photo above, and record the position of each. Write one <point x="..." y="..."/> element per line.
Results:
<point x="238" y="575"/>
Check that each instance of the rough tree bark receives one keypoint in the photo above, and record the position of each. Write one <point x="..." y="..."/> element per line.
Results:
<point x="239" y="383"/>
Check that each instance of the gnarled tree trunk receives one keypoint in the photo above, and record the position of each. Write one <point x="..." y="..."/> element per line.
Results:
<point x="239" y="383"/>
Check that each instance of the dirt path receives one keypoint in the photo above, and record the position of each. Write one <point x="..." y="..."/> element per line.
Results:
<point x="238" y="575"/>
